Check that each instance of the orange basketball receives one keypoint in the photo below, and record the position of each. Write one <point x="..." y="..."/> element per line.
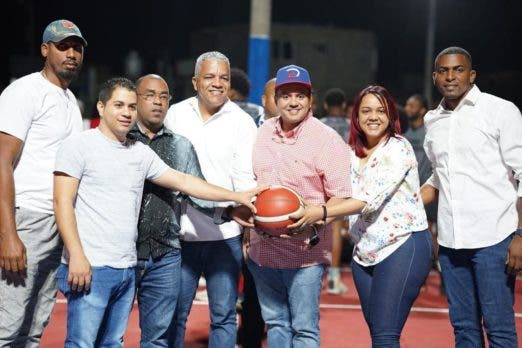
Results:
<point x="274" y="206"/>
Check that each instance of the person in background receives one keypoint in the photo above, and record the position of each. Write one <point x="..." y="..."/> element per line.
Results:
<point x="393" y="248"/>
<point x="473" y="141"/>
<point x="252" y="327"/>
<point x="240" y="91"/>
<point x="334" y="105"/>
<point x="268" y="101"/>
<point x="415" y="109"/>
<point x="37" y="112"/>
<point x="223" y="136"/>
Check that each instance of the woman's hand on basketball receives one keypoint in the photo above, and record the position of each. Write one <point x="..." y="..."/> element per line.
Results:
<point x="80" y="273"/>
<point x="312" y="214"/>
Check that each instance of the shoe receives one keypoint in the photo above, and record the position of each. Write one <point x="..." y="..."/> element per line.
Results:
<point x="336" y="286"/>
<point x="239" y="303"/>
<point x="202" y="296"/>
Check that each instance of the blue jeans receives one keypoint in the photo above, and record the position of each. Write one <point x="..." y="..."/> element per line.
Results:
<point x="480" y="290"/>
<point x="289" y="300"/>
<point x="98" y="317"/>
<point x="220" y="263"/>
<point x="158" y="283"/>
<point x="388" y="289"/>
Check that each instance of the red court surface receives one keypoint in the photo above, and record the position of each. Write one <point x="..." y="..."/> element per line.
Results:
<point x="342" y="322"/>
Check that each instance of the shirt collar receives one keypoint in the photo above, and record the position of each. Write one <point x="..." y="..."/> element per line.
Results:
<point x="138" y="128"/>
<point x="471" y="97"/>
<point x="225" y="108"/>
<point x="291" y="136"/>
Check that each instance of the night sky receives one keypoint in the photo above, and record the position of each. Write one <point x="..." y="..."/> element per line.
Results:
<point x="490" y="30"/>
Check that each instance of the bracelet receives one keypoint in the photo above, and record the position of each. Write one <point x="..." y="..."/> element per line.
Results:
<point x="325" y="213"/>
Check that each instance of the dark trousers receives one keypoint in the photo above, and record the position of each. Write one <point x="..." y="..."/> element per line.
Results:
<point x="252" y="327"/>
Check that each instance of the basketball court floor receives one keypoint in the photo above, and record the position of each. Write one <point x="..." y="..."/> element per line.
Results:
<point x="342" y="323"/>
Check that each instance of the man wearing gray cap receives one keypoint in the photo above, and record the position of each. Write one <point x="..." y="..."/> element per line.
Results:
<point x="37" y="112"/>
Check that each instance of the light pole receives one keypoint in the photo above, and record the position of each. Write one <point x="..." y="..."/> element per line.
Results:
<point x="259" y="47"/>
<point x="428" y="54"/>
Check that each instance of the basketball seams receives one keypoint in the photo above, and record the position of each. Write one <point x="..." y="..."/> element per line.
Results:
<point x="278" y="218"/>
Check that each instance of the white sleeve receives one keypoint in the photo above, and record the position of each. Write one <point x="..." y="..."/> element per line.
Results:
<point x="17" y="110"/>
<point x="242" y="172"/>
<point x="510" y="139"/>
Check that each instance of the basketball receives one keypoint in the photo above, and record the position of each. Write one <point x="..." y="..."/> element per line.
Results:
<point x="274" y="206"/>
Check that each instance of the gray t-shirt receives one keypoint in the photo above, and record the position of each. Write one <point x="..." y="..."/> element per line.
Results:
<point x="107" y="206"/>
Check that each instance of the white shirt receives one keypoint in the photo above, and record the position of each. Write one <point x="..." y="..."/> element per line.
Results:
<point x="389" y="184"/>
<point x="224" y="146"/>
<point x="474" y="151"/>
<point x="42" y="115"/>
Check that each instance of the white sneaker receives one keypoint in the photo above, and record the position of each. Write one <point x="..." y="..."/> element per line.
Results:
<point x="336" y="286"/>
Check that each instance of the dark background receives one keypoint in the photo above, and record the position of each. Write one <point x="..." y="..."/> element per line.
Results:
<point x="490" y="30"/>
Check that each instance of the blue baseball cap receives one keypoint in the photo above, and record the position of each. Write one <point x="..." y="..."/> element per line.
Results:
<point x="292" y="74"/>
<point x="61" y="29"/>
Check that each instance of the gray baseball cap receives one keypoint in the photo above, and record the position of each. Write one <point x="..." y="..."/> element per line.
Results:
<point x="61" y="29"/>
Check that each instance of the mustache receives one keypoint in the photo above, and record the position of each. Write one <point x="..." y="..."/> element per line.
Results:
<point x="71" y="61"/>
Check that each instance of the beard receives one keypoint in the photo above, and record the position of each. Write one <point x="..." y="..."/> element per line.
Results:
<point x="69" y="75"/>
<point x="414" y="117"/>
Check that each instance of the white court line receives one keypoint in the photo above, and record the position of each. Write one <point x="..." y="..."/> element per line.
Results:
<point x="338" y="306"/>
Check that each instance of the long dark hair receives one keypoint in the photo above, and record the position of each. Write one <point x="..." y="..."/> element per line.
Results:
<point x="357" y="138"/>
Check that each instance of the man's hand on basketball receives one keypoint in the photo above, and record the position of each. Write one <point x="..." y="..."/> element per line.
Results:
<point x="514" y="256"/>
<point x="80" y="273"/>
<point x="13" y="257"/>
<point x="242" y="215"/>
<point x="312" y="214"/>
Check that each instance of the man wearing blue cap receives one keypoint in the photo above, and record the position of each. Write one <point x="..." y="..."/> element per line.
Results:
<point x="37" y="112"/>
<point x="298" y="151"/>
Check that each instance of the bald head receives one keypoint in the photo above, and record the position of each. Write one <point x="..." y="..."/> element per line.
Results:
<point x="153" y="101"/>
<point x="149" y="76"/>
<point x="268" y="99"/>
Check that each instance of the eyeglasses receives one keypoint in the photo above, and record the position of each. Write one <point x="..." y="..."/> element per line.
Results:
<point x="151" y="96"/>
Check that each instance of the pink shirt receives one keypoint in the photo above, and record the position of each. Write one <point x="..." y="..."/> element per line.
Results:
<point x="313" y="160"/>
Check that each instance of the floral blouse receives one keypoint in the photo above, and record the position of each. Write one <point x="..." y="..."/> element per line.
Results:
<point x="389" y="184"/>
